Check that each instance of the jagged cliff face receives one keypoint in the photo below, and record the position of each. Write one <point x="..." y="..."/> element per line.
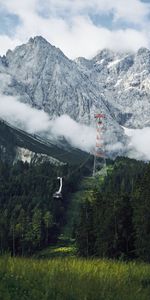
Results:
<point x="124" y="84"/>
<point x="116" y="84"/>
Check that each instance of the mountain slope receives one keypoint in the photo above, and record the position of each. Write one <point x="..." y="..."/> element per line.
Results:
<point x="16" y="144"/>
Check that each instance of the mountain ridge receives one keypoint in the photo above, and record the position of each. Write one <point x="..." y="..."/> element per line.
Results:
<point x="114" y="83"/>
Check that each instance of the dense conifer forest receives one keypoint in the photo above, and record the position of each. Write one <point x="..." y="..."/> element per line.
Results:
<point x="30" y="218"/>
<point x="113" y="218"/>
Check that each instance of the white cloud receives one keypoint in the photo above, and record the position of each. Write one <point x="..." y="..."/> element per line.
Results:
<point x="76" y="34"/>
<point x="7" y="42"/>
<point x="36" y="121"/>
<point x="128" y="10"/>
<point x="22" y="115"/>
<point x="78" y="135"/>
<point x="139" y="143"/>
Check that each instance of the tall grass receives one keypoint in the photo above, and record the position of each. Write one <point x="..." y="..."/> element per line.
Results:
<point x="73" y="279"/>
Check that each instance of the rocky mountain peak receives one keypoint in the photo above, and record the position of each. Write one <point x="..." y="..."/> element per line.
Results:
<point x="31" y="55"/>
<point x="105" y="54"/>
<point x="143" y="51"/>
<point x="38" y="39"/>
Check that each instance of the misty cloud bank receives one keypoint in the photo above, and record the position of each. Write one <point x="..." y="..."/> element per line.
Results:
<point x="81" y="136"/>
<point x="139" y="146"/>
<point x="36" y="121"/>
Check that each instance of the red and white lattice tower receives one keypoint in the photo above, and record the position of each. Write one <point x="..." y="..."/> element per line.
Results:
<point x="99" y="167"/>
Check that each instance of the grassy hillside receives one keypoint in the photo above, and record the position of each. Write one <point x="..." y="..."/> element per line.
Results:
<point x="73" y="279"/>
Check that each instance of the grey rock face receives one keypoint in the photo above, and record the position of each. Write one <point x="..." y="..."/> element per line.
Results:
<point x="116" y="84"/>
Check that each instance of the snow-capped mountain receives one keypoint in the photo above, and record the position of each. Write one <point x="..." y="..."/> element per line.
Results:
<point x="116" y="84"/>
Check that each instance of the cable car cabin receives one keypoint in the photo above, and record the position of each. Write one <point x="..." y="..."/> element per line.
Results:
<point x="58" y="194"/>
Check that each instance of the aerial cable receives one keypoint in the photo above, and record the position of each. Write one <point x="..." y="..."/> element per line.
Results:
<point x="79" y="167"/>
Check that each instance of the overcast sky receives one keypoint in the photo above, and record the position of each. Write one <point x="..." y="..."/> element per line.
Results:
<point x="78" y="27"/>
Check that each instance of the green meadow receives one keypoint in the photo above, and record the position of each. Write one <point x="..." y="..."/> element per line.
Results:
<point x="73" y="279"/>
